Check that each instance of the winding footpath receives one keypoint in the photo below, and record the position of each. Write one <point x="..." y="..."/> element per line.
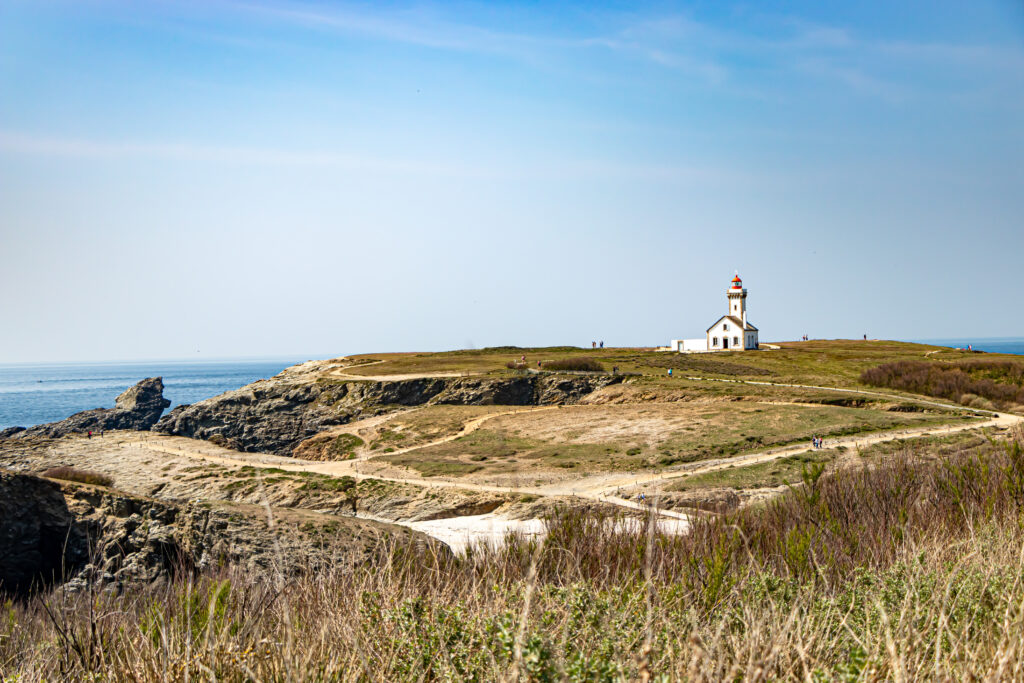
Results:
<point x="599" y="488"/>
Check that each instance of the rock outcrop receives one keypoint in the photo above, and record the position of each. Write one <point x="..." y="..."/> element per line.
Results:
<point x="40" y="540"/>
<point x="276" y="415"/>
<point x="81" y="536"/>
<point x="137" y="408"/>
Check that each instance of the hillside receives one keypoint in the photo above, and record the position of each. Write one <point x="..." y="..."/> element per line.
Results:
<point x="332" y="470"/>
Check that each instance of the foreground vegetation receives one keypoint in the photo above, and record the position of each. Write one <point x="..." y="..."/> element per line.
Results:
<point x="912" y="569"/>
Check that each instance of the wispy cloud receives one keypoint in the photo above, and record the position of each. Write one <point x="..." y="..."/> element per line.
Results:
<point x="19" y="143"/>
<point x="16" y="142"/>
<point x="713" y="53"/>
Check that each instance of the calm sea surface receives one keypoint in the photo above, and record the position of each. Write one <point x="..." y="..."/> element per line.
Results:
<point x="34" y="394"/>
<point x="990" y="345"/>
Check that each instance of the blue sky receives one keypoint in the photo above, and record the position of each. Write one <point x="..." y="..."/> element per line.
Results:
<point x="195" y="179"/>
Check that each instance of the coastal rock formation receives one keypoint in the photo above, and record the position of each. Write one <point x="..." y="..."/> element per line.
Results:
<point x="39" y="537"/>
<point x="81" y="535"/>
<point x="276" y="415"/>
<point x="137" y="408"/>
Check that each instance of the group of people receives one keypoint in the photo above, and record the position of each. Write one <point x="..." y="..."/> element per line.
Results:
<point x="597" y="345"/>
<point x="817" y="442"/>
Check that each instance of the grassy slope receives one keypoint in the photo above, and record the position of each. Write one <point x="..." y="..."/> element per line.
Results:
<point x="831" y="362"/>
<point x="907" y="571"/>
<point x="643" y="436"/>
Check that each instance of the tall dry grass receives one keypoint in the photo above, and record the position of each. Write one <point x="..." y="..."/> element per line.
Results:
<point x="912" y="570"/>
<point x="998" y="381"/>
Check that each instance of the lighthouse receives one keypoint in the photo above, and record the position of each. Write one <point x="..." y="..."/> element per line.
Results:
<point x="732" y="331"/>
<point x="738" y="299"/>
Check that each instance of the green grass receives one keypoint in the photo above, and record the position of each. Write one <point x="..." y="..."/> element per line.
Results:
<point x="787" y="470"/>
<point x="345" y="445"/>
<point x="321" y="483"/>
<point x="646" y="436"/>
<point x="828" y="362"/>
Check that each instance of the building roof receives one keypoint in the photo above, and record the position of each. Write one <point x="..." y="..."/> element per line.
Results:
<point x="737" y="321"/>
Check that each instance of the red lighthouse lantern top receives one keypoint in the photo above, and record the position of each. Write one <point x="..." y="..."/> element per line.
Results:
<point x="737" y="283"/>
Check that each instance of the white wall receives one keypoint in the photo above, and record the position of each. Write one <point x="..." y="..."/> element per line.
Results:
<point x="722" y="329"/>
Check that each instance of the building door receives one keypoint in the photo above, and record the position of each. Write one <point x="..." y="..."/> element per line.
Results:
<point x="725" y="342"/>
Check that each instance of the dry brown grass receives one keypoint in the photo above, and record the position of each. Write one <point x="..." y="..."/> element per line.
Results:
<point x="82" y="476"/>
<point x="910" y="570"/>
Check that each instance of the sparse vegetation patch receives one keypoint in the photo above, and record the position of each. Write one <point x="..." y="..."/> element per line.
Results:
<point x="977" y="383"/>
<point x="81" y="476"/>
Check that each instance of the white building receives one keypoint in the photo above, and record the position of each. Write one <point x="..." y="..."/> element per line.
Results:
<point x="732" y="332"/>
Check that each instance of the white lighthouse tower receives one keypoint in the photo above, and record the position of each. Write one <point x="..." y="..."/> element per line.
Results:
<point x="732" y="331"/>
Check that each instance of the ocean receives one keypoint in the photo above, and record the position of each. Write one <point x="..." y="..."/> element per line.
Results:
<point x="39" y="393"/>
<point x="996" y="345"/>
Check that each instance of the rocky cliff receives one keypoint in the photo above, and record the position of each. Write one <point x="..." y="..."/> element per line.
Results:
<point x="276" y="415"/>
<point x="79" y="535"/>
<point x="137" y="408"/>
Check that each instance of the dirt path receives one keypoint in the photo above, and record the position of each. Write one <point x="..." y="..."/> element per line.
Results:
<point x="600" y="488"/>
<point x="470" y="426"/>
<point x="1003" y="421"/>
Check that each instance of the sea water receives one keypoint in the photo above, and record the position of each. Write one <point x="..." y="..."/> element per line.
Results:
<point x="39" y="393"/>
<point x="994" y="345"/>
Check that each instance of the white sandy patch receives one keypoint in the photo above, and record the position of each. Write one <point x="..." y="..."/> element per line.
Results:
<point x="458" y="533"/>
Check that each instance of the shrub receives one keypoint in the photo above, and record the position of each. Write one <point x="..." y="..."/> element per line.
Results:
<point x="345" y="445"/>
<point x="574" y="364"/>
<point x="81" y="476"/>
<point x="1001" y="382"/>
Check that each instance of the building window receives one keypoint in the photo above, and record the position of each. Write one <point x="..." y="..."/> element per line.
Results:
<point x="725" y="326"/>
<point x="714" y="342"/>
<point x="736" y="341"/>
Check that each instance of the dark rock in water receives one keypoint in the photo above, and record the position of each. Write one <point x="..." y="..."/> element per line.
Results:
<point x="276" y="415"/>
<point x="137" y="408"/>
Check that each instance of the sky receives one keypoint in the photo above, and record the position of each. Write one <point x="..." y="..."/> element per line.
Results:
<point x="309" y="179"/>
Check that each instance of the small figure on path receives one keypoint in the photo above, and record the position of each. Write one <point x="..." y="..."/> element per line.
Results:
<point x="602" y="343"/>
<point x="90" y="434"/>
<point x="670" y="373"/>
